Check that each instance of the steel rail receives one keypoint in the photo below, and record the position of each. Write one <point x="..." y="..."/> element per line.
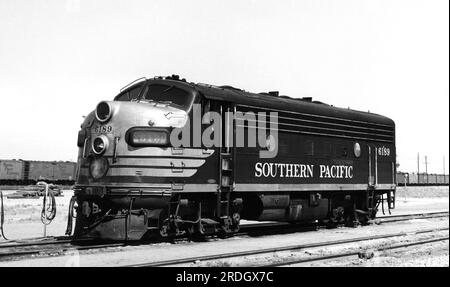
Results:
<point x="415" y="215"/>
<point x="353" y="253"/>
<point x="381" y="219"/>
<point x="34" y="242"/>
<point x="59" y="250"/>
<point x="279" y="249"/>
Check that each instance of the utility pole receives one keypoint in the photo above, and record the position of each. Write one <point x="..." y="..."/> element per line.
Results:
<point x="426" y="167"/>
<point x="418" y="168"/>
<point x="444" y="170"/>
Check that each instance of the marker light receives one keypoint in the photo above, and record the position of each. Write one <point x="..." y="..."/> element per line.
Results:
<point x="103" y="112"/>
<point x="143" y="137"/>
<point x="81" y="137"/>
<point x="98" y="167"/>
<point x="100" y="144"/>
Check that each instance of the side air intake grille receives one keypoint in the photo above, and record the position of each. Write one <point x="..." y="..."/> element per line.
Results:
<point x="328" y="126"/>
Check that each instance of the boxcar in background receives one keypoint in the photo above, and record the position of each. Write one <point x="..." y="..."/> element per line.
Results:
<point x="41" y="170"/>
<point x="65" y="171"/>
<point x="19" y="172"/>
<point x="11" y="171"/>
<point x="401" y="178"/>
<point x="421" y="179"/>
<point x="52" y="171"/>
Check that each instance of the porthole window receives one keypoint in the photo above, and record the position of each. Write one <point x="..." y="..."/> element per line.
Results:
<point x="271" y="143"/>
<point x="357" y="150"/>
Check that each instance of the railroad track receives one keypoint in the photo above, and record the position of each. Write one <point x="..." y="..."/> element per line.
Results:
<point x="35" y="241"/>
<point x="239" y="254"/>
<point x="55" y="248"/>
<point x="45" y="246"/>
<point x="403" y="217"/>
<point x="276" y="227"/>
<point x="357" y="253"/>
<point x="56" y="245"/>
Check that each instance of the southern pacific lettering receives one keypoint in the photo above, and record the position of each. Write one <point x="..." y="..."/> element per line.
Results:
<point x="302" y="170"/>
<point x="283" y="170"/>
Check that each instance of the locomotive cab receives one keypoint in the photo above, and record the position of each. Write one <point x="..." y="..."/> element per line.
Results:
<point x="124" y="150"/>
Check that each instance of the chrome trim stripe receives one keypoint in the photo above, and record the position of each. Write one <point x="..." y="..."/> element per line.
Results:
<point x="177" y="171"/>
<point x="249" y="187"/>
<point x="184" y="188"/>
<point x="207" y="187"/>
<point x="156" y="188"/>
<point x="159" y="186"/>
<point x="157" y="162"/>
<point x="164" y="152"/>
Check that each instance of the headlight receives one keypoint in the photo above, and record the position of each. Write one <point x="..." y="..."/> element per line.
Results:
<point x="100" y="144"/>
<point x="103" y="112"/>
<point x="142" y="137"/>
<point x="98" y="167"/>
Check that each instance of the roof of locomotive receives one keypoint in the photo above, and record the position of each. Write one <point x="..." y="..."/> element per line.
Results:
<point x="284" y="103"/>
<point x="277" y="103"/>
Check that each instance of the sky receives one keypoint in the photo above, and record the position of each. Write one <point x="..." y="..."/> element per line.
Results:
<point x="59" y="58"/>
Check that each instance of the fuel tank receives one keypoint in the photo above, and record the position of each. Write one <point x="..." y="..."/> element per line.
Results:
<point x="281" y="207"/>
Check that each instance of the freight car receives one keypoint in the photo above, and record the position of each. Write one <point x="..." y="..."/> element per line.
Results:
<point x="19" y="172"/>
<point x="58" y="172"/>
<point x="11" y="171"/>
<point x="423" y="179"/>
<point x="168" y="157"/>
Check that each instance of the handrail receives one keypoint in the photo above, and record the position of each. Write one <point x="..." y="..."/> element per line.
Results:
<point x="142" y="78"/>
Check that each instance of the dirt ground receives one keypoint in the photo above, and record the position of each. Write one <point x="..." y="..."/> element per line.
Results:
<point x="422" y="191"/>
<point x="434" y="254"/>
<point x="429" y="255"/>
<point x="22" y="216"/>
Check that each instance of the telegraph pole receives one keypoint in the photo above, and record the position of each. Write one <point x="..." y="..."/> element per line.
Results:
<point x="418" y="167"/>
<point x="444" y="170"/>
<point x="426" y="167"/>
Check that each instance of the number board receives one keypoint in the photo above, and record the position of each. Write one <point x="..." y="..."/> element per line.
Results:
<point x="106" y="129"/>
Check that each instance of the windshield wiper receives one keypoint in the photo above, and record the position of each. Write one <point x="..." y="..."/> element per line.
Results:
<point x="168" y="89"/>
<point x="165" y="102"/>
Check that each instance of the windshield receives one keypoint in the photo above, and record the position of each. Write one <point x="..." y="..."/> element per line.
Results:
<point x="159" y="93"/>
<point x="168" y="94"/>
<point x="130" y="95"/>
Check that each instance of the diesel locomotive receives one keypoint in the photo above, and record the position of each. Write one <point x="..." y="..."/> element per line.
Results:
<point x="321" y="163"/>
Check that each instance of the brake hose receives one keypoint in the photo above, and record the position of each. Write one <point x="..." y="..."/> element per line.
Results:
<point x="2" y="216"/>
<point x="48" y="212"/>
